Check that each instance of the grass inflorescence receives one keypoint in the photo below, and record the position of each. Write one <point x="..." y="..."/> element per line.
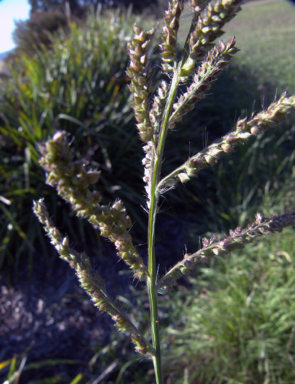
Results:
<point x="201" y="61"/>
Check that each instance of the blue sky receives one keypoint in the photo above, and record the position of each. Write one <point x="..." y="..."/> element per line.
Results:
<point x="11" y="10"/>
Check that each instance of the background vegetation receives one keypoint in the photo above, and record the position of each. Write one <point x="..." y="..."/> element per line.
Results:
<point x="238" y="322"/>
<point x="80" y="83"/>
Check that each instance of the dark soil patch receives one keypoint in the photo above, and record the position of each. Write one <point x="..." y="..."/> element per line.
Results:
<point x="51" y="318"/>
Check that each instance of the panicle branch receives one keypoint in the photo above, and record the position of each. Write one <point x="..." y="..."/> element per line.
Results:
<point x="72" y="181"/>
<point x="237" y="239"/>
<point x="90" y="281"/>
<point x="208" y="28"/>
<point x="217" y="59"/>
<point x="243" y="130"/>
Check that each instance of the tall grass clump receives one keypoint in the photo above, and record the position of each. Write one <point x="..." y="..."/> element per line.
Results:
<point x="157" y="113"/>
<point x="80" y="82"/>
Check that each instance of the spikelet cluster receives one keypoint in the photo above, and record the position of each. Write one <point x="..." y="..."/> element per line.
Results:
<point x="72" y="181"/>
<point x="216" y="60"/>
<point x="138" y="72"/>
<point x="169" y="34"/>
<point x="198" y="6"/>
<point x="237" y="239"/>
<point x="155" y="116"/>
<point x="207" y="29"/>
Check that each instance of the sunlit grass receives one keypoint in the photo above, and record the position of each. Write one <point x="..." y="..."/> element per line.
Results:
<point x="237" y="324"/>
<point x="265" y="34"/>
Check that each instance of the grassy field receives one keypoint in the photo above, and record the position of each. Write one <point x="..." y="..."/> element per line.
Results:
<point x="243" y="316"/>
<point x="265" y="34"/>
<point x="264" y="31"/>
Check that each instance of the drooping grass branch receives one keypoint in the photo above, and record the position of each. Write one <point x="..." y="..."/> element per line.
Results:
<point x="72" y="181"/>
<point x="93" y="284"/>
<point x="197" y="68"/>
<point x="237" y="239"/>
<point x="241" y="133"/>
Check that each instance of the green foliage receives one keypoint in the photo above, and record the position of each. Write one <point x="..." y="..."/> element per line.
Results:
<point x="79" y="83"/>
<point x="237" y="323"/>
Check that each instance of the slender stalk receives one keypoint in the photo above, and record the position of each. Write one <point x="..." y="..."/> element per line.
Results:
<point x="151" y="281"/>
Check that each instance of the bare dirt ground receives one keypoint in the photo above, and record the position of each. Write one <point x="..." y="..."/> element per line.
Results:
<point x="50" y="318"/>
